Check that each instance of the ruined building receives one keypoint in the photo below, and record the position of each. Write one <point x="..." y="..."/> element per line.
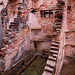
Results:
<point x="31" y="28"/>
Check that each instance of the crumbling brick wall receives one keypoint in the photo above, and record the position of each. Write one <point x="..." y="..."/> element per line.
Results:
<point x="16" y="43"/>
<point x="70" y="33"/>
<point x="67" y="36"/>
<point x="20" y="44"/>
<point x="1" y="31"/>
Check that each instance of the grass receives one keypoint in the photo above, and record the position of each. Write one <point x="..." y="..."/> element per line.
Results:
<point x="36" y="67"/>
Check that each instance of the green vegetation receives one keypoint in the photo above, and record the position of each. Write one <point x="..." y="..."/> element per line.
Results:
<point x="36" y="67"/>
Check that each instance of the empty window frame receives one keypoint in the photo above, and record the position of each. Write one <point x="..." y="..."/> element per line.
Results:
<point x="46" y="13"/>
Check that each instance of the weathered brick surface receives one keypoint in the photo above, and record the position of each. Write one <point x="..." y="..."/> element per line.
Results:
<point x="23" y="37"/>
<point x="19" y="43"/>
<point x="67" y="37"/>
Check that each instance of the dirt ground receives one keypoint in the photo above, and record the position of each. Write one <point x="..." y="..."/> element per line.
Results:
<point x="69" y="68"/>
<point x="36" y="67"/>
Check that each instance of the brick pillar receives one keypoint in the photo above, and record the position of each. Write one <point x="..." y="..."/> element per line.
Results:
<point x="1" y="32"/>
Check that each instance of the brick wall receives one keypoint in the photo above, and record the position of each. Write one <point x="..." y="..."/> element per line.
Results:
<point x="18" y="43"/>
<point x="1" y="31"/>
<point x="70" y="33"/>
<point x="62" y="42"/>
<point x="67" y="41"/>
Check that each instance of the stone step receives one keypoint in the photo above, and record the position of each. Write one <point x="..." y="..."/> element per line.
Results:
<point x="47" y="73"/>
<point x="58" y="29"/>
<point x="3" y="49"/>
<point x="59" y="8"/>
<point x="57" y="23"/>
<point x="5" y="39"/>
<point x="54" y="48"/>
<point x="58" y="19"/>
<point x="48" y="69"/>
<point x="54" y="34"/>
<point x="51" y="54"/>
<point x="54" y="44"/>
<point x="10" y="29"/>
<point x="15" y="19"/>
<point x="13" y="23"/>
<point x="57" y="26"/>
<point x="12" y="36"/>
<point x="2" y="54"/>
<point x="51" y="63"/>
<point x="53" y="51"/>
<point x="55" y="55"/>
<point x="7" y="35"/>
<point x="51" y="59"/>
<point x="55" y="41"/>
<point x="50" y="66"/>
<point x="8" y="32"/>
<point x="58" y="13"/>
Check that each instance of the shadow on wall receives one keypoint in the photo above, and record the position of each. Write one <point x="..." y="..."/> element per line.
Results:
<point x="23" y="50"/>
